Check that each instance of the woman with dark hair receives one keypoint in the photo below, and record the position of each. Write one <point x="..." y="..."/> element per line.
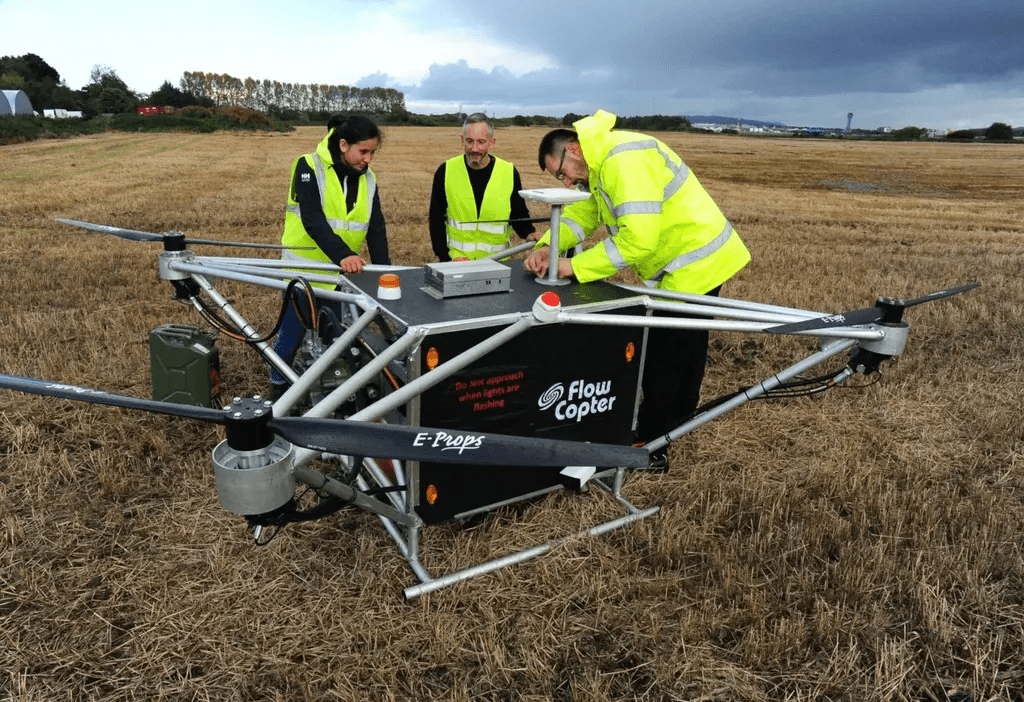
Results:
<point x="333" y="207"/>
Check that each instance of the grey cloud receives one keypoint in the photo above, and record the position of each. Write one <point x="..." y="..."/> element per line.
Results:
<point x="670" y="55"/>
<point x="949" y="40"/>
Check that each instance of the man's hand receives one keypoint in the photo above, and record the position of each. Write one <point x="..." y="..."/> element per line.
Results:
<point x="538" y="262"/>
<point x="352" y="264"/>
<point x="534" y="236"/>
<point x="565" y="268"/>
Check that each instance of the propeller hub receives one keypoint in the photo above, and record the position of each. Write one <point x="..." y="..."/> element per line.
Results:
<point x="246" y="421"/>
<point x="174" y="241"/>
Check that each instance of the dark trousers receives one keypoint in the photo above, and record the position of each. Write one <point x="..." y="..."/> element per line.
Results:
<point x="289" y="337"/>
<point x="673" y="374"/>
<point x="293" y="331"/>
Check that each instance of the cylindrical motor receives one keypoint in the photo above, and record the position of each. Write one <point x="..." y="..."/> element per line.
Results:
<point x="254" y="482"/>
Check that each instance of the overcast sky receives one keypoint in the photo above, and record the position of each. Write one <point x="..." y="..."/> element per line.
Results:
<point x="937" y="64"/>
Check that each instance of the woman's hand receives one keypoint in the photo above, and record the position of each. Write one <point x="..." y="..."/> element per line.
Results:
<point x="352" y="264"/>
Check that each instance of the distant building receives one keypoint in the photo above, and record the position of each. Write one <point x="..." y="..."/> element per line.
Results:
<point x="58" y="113"/>
<point x="15" y="102"/>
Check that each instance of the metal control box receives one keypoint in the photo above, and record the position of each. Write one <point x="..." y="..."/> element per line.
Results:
<point x="185" y="365"/>
<point x="456" y="278"/>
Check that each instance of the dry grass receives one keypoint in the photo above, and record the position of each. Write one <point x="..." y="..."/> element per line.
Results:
<point x="864" y="545"/>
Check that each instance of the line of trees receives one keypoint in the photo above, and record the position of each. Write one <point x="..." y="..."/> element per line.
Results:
<point x="997" y="131"/>
<point x="274" y="97"/>
<point x="107" y="93"/>
<point x="39" y="80"/>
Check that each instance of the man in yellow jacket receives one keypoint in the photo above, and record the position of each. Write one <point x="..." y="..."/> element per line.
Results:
<point x="663" y="225"/>
<point x="476" y="186"/>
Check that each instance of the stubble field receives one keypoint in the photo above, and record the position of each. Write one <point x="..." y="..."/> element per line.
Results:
<point x="867" y="544"/>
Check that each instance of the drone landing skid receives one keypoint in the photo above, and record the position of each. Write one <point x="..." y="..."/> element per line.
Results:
<point x="632" y="514"/>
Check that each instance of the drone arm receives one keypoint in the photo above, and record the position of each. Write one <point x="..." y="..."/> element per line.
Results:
<point x="259" y="276"/>
<point x="759" y="390"/>
<point x="409" y="391"/>
<point x="697" y="309"/>
<point x="739" y="325"/>
<point x="301" y="384"/>
<point x="247" y="329"/>
<point x="319" y="481"/>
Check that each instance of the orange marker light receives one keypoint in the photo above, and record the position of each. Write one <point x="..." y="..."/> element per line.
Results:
<point x="433" y="358"/>
<point x="630" y="352"/>
<point x="389" y="287"/>
<point x="431" y="494"/>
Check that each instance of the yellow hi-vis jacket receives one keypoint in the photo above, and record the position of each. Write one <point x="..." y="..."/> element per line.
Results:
<point x="351" y="227"/>
<point x="661" y="221"/>
<point x="467" y="239"/>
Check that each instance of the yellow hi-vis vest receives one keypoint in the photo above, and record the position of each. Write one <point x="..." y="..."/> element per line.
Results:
<point x="351" y="227"/>
<point x="661" y="221"/>
<point x="467" y="239"/>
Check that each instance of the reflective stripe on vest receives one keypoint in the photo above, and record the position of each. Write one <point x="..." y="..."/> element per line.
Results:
<point x="469" y="247"/>
<point x="691" y="257"/>
<point x="476" y="226"/>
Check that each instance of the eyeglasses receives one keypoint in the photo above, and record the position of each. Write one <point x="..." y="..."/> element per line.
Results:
<point x="558" y="174"/>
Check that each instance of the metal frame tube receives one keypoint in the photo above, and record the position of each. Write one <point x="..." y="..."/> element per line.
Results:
<point x="718" y="301"/>
<point x="319" y="481"/>
<point x="241" y="264"/>
<point x="344" y="391"/>
<point x="757" y="391"/>
<point x="265" y="349"/>
<point x="415" y="387"/>
<point x="303" y="383"/>
<point x="526" y="245"/>
<point x="873" y="333"/>
<point x="521" y="556"/>
<point x="554" y="250"/>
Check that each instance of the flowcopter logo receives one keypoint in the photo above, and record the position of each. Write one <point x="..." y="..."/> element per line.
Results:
<point x="581" y="400"/>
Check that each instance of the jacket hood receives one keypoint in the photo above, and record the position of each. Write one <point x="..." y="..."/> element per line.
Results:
<point x="593" y="130"/>
<point x="324" y="151"/>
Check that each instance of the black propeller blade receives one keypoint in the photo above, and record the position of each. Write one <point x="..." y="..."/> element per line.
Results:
<point x="136" y="235"/>
<point x="449" y="446"/>
<point x="935" y="295"/>
<point x="868" y="315"/>
<point x="886" y="309"/>
<point x="352" y="438"/>
<point x="99" y="397"/>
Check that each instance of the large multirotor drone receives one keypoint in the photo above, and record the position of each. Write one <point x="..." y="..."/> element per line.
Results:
<point x="452" y="394"/>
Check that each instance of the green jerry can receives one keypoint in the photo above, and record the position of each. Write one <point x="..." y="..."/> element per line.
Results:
<point x="185" y="365"/>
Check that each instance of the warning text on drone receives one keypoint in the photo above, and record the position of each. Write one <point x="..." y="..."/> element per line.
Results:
<point x="489" y="392"/>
